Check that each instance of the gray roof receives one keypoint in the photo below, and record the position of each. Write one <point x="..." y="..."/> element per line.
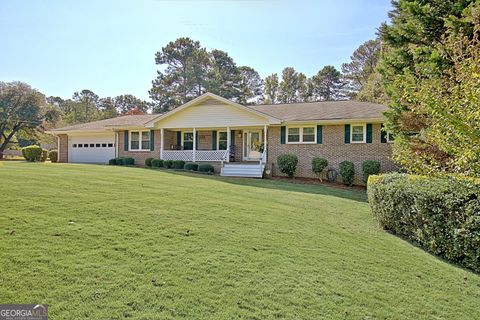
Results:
<point x="323" y="110"/>
<point x="130" y="121"/>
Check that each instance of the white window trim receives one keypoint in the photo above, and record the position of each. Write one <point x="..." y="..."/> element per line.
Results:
<point x="364" y="125"/>
<point x="301" y="134"/>
<point x="139" y="140"/>
<point x="218" y="139"/>
<point x="388" y="137"/>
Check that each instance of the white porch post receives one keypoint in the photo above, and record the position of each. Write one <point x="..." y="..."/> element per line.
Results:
<point x="194" y="143"/>
<point x="161" y="143"/>
<point x="265" y="142"/>
<point x="228" y="143"/>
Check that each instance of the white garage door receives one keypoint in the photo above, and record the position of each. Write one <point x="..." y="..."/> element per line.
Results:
<point x="91" y="149"/>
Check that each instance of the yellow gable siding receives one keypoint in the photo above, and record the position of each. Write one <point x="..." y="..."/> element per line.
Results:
<point x="209" y="115"/>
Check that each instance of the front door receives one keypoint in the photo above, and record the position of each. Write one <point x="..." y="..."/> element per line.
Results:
<point x="250" y="138"/>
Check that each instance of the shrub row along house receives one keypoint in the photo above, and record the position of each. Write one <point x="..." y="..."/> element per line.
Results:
<point x="239" y="140"/>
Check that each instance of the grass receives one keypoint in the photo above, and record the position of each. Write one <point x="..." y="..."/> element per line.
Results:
<point x="104" y="242"/>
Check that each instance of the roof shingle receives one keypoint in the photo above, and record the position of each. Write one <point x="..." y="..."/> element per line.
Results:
<point x="131" y="121"/>
<point x="323" y="110"/>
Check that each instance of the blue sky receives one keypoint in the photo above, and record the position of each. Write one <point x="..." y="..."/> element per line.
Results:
<point x="108" y="46"/>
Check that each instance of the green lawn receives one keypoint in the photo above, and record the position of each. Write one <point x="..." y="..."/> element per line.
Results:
<point x="104" y="242"/>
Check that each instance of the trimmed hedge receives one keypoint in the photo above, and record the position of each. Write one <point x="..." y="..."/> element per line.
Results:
<point x="168" y="164"/>
<point x="287" y="163"/>
<point x="32" y="153"/>
<point x="148" y="162"/>
<point x="190" y="166"/>
<point x="44" y="156"/>
<point x="206" y="167"/>
<point x="178" y="164"/>
<point x="122" y="161"/>
<point x="347" y="171"/>
<point x="370" y="167"/>
<point x="318" y="165"/>
<point x="157" y="163"/>
<point x="440" y="214"/>
<point x="53" y="155"/>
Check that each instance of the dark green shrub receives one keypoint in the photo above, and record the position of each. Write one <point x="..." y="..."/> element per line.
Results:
<point x="168" y="164"/>
<point x="190" y="166"/>
<point x="370" y="167"/>
<point x="318" y="165"/>
<point x="44" y="155"/>
<point x="148" y="162"/>
<point x="157" y="163"/>
<point x="113" y="161"/>
<point x="53" y="155"/>
<point x="206" y="167"/>
<point x="347" y="171"/>
<point x="128" y="161"/>
<point x="178" y="164"/>
<point x="32" y="153"/>
<point x="287" y="163"/>
<point x="440" y="214"/>
<point x="120" y="161"/>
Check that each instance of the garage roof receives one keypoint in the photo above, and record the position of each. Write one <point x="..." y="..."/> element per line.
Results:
<point x="122" y="121"/>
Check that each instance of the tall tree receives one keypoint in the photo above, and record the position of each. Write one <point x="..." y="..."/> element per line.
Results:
<point x="423" y="77"/>
<point x="223" y="76"/>
<point x="270" y="95"/>
<point x="126" y="102"/>
<point x="251" y="85"/>
<point x="87" y="106"/>
<point x="328" y="84"/>
<point x="22" y="110"/>
<point x="184" y="74"/>
<point x="288" y="86"/>
<point x="305" y="88"/>
<point x="363" y="62"/>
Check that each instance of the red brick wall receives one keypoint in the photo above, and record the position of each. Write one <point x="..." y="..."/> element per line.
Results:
<point x="63" y="148"/>
<point x="334" y="149"/>
<point x="139" y="156"/>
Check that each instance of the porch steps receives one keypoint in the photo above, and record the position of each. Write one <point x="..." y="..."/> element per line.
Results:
<point x="242" y="170"/>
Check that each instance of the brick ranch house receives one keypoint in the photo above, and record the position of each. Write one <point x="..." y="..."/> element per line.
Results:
<point x="239" y="140"/>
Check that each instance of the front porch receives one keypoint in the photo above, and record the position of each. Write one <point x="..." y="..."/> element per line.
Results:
<point x="237" y="144"/>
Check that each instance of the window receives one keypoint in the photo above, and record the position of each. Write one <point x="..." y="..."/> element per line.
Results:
<point x="85" y="145"/>
<point x="358" y="133"/>
<point x="301" y="135"/>
<point x="97" y="145"/>
<point x="293" y="135"/>
<point x="390" y="137"/>
<point x="308" y="134"/>
<point x="92" y="145"/>
<point x="104" y="145"/>
<point x="222" y="140"/>
<point x="110" y="145"/>
<point x="74" y="145"/>
<point x="187" y="140"/>
<point x="139" y="140"/>
<point x="80" y="145"/>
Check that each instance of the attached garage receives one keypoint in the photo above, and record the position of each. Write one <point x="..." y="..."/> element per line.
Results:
<point x="98" y="148"/>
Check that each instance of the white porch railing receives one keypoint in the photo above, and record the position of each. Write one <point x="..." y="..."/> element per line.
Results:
<point x="185" y="155"/>
<point x="200" y="155"/>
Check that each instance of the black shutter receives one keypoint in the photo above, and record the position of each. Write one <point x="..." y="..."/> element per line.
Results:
<point x="214" y="140"/>
<point x="152" y="140"/>
<point x="125" y="140"/>
<point x="369" y="132"/>
<point x="347" y="133"/>
<point x="283" y="134"/>
<point x="319" y="134"/>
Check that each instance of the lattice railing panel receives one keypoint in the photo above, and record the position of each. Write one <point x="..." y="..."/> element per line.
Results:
<point x="185" y="155"/>
<point x="209" y="155"/>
